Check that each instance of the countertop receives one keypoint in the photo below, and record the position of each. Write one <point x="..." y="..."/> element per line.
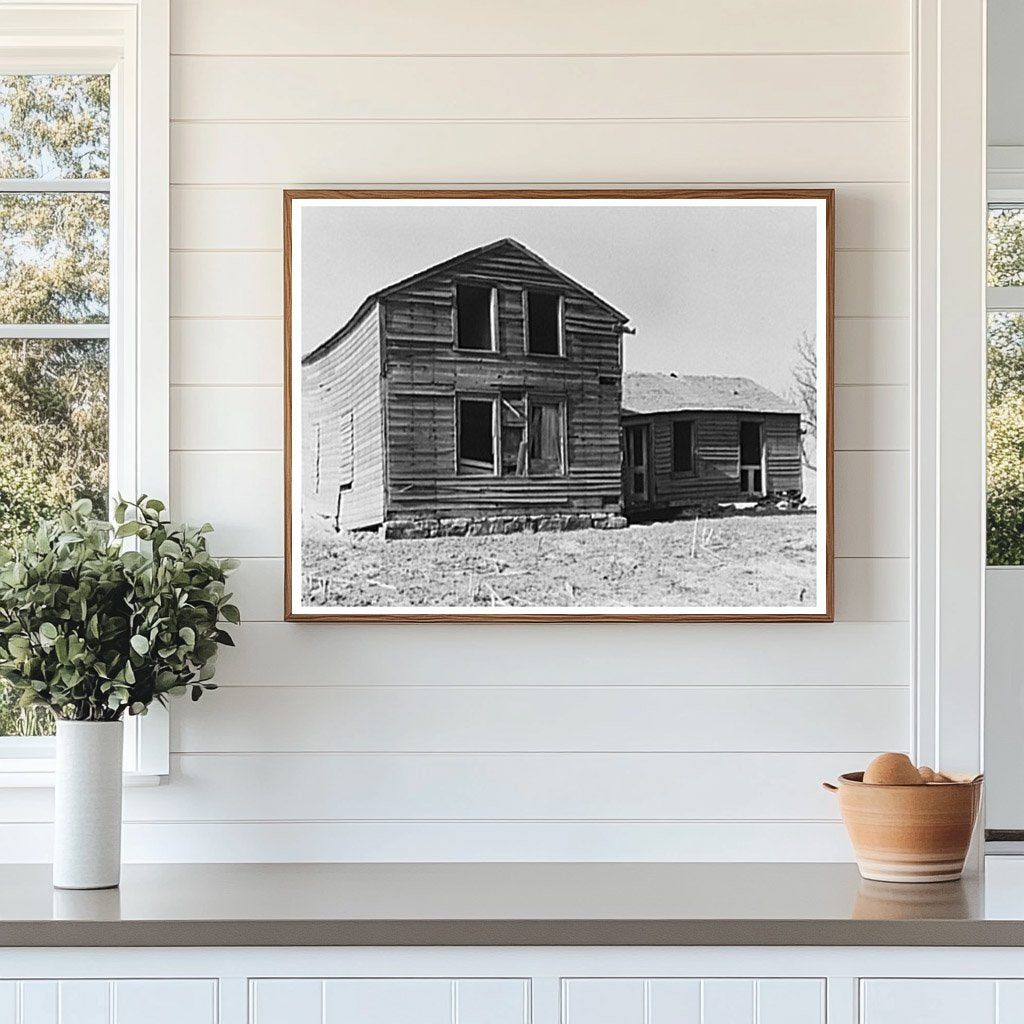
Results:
<point x="650" y="904"/>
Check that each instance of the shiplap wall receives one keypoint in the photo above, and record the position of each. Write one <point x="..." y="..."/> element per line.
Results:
<point x="689" y="741"/>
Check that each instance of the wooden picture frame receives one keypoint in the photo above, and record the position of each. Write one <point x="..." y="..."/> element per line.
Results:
<point x="408" y="331"/>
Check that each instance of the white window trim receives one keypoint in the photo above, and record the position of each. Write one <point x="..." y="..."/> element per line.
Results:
<point x="131" y="41"/>
<point x="948" y="466"/>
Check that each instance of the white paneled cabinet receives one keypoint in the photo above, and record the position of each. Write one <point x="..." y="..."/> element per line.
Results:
<point x="389" y="1001"/>
<point x="942" y="1001"/>
<point x="102" y="1001"/>
<point x="693" y="1001"/>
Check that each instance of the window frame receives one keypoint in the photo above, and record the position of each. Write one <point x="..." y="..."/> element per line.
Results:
<point x="560" y="324"/>
<point x="131" y="43"/>
<point x="692" y="471"/>
<point x="492" y="400"/>
<point x="495" y="401"/>
<point x="540" y="398"/>
<point x="471" y="282"/>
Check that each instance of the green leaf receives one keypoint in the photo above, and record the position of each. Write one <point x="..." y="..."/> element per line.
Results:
<point x="170" y="549"/>
<point x="48" y="630"/>
<point x="140" y="644"/>
<point x="231" y="613"/>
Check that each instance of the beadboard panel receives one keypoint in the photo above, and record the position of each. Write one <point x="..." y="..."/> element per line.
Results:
<point x="693" y="1000"/>
<point x="389" y="1001"/>
<point x="536" y="88"/>
<point x="157" y="842"/>
<point x="249" y="418"/>
<point x="797" y="654"/>
<point x="868" y="216"/>
<point x="563" y="151"/>
<point x="634" y="719"/>
<point x="241" y="492"/>
<point x="93" y="1001"/>
<point x="867" y="589"/>
<point x="535" y="26"/>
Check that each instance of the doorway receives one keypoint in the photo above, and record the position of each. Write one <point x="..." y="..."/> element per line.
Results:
<point x="637" y="446"/>
<point x="752" y="457"/>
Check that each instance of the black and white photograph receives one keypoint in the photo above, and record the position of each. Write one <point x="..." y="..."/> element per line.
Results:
<point x="527" y="405"/>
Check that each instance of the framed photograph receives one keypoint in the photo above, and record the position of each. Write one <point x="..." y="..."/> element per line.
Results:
<point x="564" y="405"/>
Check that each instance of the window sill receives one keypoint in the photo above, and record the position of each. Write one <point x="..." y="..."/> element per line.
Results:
<point x="40" y="774"/>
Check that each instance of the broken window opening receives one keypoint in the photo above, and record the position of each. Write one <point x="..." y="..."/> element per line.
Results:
<point x="513" y="434"/>
<point x="544" y="323"/>
<point x="476" y="436"/>
<point x="546" y="439"/>
<point x="476" y="317"/>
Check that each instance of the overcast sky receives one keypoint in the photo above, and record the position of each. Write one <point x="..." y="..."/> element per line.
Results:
<point x="724" y="290"/>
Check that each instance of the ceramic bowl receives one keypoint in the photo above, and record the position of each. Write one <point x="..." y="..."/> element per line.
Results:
<point x="909" y="833"/>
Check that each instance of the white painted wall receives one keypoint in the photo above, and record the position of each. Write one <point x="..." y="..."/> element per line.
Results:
<point x="681" y="741"/>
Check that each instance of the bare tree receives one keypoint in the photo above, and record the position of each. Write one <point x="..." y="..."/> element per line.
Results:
<point x="805" y="389"/>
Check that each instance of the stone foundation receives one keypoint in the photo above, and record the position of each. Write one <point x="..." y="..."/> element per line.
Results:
<point x="420" y="529"/>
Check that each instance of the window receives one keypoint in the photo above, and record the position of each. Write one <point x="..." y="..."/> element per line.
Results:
<point x="513" y="434"/>
<point x="682" y="446"/>
<point x="476" y="436"/>
<point x="543" y="323"/>
<point x="546" y="439"/>
<point x="79" y="154"/>
<point x="476" y="317"/>
<point x="54" y="293"/>
<point x="1005" y="476"/>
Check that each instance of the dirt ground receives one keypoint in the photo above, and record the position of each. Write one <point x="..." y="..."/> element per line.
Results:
<point x="737" y="561"/>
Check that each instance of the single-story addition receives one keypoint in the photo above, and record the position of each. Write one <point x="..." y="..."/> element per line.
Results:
<point x="699" y="440"/>
<point x="481" y="394"/>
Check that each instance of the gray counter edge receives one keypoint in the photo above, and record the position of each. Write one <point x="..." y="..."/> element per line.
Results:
<point x="254" y="933"/>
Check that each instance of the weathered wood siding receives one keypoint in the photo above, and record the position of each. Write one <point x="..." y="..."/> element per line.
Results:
<point x="342" y="429"/>
<point x="716" y="472"/>
<point x="425" y="372"/>
<point x="782" y="452"/>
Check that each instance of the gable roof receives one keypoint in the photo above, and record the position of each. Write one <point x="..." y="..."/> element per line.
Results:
<point x="648" y="393"/>
<point x="451" y="264"/>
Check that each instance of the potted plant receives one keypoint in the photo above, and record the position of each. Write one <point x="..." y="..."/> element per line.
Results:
<point x="99" y="620"/>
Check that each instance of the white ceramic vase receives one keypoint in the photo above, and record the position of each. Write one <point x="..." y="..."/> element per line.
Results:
<point x="87" y="807"/>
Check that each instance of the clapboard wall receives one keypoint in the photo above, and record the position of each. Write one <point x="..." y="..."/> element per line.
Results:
<point x="690" y="741"/>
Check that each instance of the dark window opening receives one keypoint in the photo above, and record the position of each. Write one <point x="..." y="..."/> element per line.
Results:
<point x="682" y="446"/>
<point x="544" y="323"/>
<point x="476" y="436"/>
<point x="474" y="315"/>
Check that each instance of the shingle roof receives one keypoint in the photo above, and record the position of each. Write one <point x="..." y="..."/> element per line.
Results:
<point x="647" y="393"/>
<point x="451" y="264"/>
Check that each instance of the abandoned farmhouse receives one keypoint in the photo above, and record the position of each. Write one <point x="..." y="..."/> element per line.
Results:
<point x="490" y="387"/>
